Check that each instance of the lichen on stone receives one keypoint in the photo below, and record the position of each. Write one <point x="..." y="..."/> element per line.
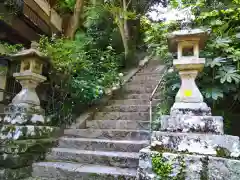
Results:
<point x="37" y="118"/>
<point x="204" y="171"/>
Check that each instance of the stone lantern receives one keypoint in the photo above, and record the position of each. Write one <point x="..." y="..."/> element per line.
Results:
<point x="187" y="44"/>
<point x="190" y="141"/>
<point x="25" y="126"/>
<point x="29" y="77"/>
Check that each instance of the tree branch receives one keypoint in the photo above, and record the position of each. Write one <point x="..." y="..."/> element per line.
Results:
<point x="128" y="3"/>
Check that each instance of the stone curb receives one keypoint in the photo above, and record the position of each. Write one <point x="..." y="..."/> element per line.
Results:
<point x="81" y="120"/>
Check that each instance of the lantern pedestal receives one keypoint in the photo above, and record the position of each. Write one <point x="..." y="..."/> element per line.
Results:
<point x="26" y="101"/>
<point x="190" y="143"/>
<point x="189" y="99"/>
<point x="26" y="130"/>
<point x="28" y="96"/>
<point x="188" y="72"/>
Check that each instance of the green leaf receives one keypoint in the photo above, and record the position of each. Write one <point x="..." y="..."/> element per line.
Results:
<point x="214" y="62"/>
<point x="228" y="74"/>
<point x="216" y="23"/>
<point x="213" y="93"/>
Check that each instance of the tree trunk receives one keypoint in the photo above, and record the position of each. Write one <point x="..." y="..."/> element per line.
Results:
<point x="75" y="19"/>
<point x="125" y="36"/>
<point x="124" y="40"/>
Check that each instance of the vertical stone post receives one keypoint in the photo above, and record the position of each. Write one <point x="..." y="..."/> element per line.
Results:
<point x="25" y="128"/>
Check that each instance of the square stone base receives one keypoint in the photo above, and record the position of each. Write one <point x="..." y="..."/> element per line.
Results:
<point x="191" y="109"/>
<point x="194" y="124"/>
<point x="190" y="167"/>
<point x="197" y="143"/>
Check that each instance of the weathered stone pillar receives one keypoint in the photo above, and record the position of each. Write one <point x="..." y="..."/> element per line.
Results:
<point x="190" y="143"/>
<point x="25" y="128"/>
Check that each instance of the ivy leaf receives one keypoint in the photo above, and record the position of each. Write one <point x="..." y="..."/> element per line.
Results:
<point x="213" y="93"/>
<point x="223" y="42"/>
<point x="238" y="35"/>
<point x="236" y="55"/>
<point x="229" y="50"/>
<point x="228" y="74"/>
<point x="216" y="23"/>
<point x="215" y="62"/>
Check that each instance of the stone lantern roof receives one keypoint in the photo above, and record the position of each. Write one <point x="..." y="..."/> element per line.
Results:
<point x="32" y="52"/>
<point x="187" y="35"/>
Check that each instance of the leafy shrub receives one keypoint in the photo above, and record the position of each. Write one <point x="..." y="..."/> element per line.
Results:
<point x="81" y="72"/>
<point x="6" y="48"/>
<point x="65" y="6"/>
<point x="156" y="38"/>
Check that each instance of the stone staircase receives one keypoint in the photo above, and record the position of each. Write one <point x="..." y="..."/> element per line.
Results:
<point x="109" y="147"/>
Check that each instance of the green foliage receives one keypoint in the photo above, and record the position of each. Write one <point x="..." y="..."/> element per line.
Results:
<point x="86" y="65"/>
<point x="156" y="38"/>
<point x="6" y="48"/>
<point x="99" y="25"/>
<point x="161" y="109"/>
<point x="161" y="168"/>
<point x="164" y="170"/>
<point x="220" y="79"/>
<point x="65" y="6"/>
<point x="85" y="72"/>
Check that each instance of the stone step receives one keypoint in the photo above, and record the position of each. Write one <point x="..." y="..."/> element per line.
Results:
<point x="126" y="108"/>
<point x="146" y="77"/>
<point x="206" y="144"/>
<point x="143" y="81"/>
<point x="118" y="134"/>
<point x="133" y="102"/>
<point x="76" y="171"/>
<point x="153" y="69"/>
<point x="118" y="124"/>
<point x="138" y="89"/>
<point x="102" y="144"/>
<point x="148" y="73"/>
<point x="127" y="96"/>
<point x="115" y="159"/>
<point x="130" y="85"/>
<point x="143" y="116"/>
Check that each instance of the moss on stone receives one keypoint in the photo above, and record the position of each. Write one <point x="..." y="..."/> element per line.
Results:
<point x="222" y="152"/>
<point x="161" y="168"/>
<point x="15" y="174"/>
<point x="29" y="145"/>
<point x="18" y="160"/>
<point x="164" y="170"/>
<point x="204" y="171"/>
<point x="182" y="171"/>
